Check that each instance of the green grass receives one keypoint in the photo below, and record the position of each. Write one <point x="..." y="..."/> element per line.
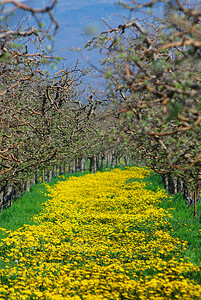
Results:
<point x="28" y="204"/>
<point x="184" y="226"/>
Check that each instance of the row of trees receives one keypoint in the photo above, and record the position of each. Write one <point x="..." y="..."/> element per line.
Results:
<point x="151" y="112"/>
<point x="46" y="125"/>
<point x="43" y="119"/>
<point x="152" y="64"/>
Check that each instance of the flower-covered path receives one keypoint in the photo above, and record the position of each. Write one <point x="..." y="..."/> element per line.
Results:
<point x="100" y="236"/>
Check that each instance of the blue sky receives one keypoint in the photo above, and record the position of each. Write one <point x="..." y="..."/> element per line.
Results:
<point x="75" y="17"/>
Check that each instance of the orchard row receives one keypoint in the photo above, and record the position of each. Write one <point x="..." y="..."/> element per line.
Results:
<point x="150" y="111"/>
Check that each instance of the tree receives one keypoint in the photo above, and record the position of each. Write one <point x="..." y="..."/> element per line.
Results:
<point x="41" y="116"/>
<point x="152" y="65"/>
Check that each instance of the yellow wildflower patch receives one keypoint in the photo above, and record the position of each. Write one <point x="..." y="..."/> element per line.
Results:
<point x="99" y="236"/>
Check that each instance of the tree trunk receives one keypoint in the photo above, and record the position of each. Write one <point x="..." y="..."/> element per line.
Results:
<point x="196" y="199"/>
<point x="188" y="195"/>
<point x="109" y="159"/>
<point x="117" y="160"/>
<point x="54" y="170"/>
<point x="66" y="169"/>
<point x="92" y="167"/>
<point x="97" y="162"/>
<point x="126" y="159"/>
<point x="172" y="184"/>
<point x="77" y="164"/>
<point x="50" y="175"/>
<point x="1" y="201"/>
<point x="43" y="175"/>
<point x="61" y="168"/>
<point x="33" y="179"/>
<point x="82" y="165"/>
<point x="165" y="181"/>
<point x="28" y="185"/>
<point x="180" y="185"/>
<point x="19" y="190"/>
<point x="113" y="160"/>
<point x="72" y="166"/>
<point x="37" y="177"/>
<point x="102" y="161"/>
<point x="7" y="196"/>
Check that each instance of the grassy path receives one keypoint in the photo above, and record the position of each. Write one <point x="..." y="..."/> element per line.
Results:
<point x="100" y="236"/>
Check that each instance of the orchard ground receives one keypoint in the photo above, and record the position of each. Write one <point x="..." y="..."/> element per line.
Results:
<point x="110" y="235"/>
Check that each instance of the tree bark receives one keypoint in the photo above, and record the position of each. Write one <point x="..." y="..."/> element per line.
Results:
<point x="1" y="201"/>
<point x="50" y="175"/>
<point x="72" y="166"/>
<point x="165" y="181"/>
<point x="43" y="175"/>
<point x="37" y="177"/>
<point x="77" y="164"/>
<point x="33" y="179"/>
<point x="97" y="162"/>
<point x="66" y="169"/>
<point x="117" y="160"/>
<point x="188" y="195"/>
<point x="92" y="167"/>
<point x="113" y="160"/>
<point x="102" y="161"/>
<point x="61" y="168"/>
<point x="126" y="159"/>
<point x="28" y="185"/>
<point x="172" y="184"/>
<point x="109" y="159"/>
<point x="55" y="170"/>
<point x="180" y="185"/>
<point x="82" y="165"/>
<point x="7" y="195"/>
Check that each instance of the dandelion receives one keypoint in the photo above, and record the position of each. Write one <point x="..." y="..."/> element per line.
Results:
<point x="100" y="236"/>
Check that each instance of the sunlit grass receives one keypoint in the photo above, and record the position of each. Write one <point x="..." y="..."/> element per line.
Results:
<point x="109" y="235"/>
<point x="183" y="225"/>
<point x="29" y="204"/>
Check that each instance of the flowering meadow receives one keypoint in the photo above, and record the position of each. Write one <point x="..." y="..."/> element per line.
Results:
<point x="100" y="236"/>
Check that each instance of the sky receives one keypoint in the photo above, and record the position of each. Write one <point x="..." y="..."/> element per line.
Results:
<point x="76" y="18"/>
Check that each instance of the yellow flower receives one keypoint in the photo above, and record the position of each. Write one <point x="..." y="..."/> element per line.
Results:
<point x="100" y="236"/>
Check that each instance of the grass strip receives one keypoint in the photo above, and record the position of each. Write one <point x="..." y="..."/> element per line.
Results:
<point x="29" y="204"/>
<point x="183" y="225"/>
